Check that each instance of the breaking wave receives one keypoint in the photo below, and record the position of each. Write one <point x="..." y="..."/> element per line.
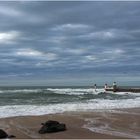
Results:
<point x="91" y="105"/>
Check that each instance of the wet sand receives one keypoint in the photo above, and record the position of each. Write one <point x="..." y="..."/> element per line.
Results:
<point x="100" y="124"/>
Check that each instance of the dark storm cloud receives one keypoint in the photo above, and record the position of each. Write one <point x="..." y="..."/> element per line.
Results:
<point x="66" y="38"/>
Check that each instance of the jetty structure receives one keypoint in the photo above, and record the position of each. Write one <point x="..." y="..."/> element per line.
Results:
<point x="119" y="89"/>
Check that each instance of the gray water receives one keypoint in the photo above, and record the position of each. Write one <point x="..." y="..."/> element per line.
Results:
<point x="44" y="95"/>
<point x="15" y="101"/>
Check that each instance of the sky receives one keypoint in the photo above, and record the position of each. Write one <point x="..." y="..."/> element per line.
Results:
<point x="69" y="43"/>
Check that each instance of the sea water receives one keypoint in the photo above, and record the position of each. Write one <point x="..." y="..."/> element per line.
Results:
<point x="21" y="101"/>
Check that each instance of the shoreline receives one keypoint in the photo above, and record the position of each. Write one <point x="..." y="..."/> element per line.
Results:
<point x="99" y="124"/>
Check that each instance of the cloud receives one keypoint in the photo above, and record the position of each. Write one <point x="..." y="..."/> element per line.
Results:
<point x="69" y="38"/>
<point x="108" y="35"/>
<point x="9" y="11"/>
<point x="16" y="75"/>
<point x="100" y="35"/>
<point x="29" y="52"/>
<point x="70" y="26"/>
<point x="115" y="51"/>
<point x="51" y="56"/>
<point x="9" y="37"/>
<point x="91" y="57"/>
<point x="56" y="39"/>
<point x="75" y="51"/>
<point x="35" y="54"/>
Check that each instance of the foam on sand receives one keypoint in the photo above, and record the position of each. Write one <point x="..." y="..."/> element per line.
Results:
<point x="104" y="128"/>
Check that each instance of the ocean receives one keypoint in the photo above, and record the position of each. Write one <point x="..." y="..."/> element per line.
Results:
<point x="22" y="101"/>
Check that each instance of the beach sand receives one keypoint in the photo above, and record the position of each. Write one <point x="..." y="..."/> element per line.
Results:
<point x="109" y="124"/>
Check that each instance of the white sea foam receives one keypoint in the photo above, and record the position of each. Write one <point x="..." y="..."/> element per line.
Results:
<point x="124" y="93"/>
<point x="67" y="91"/>
<point x="75" y="91"/>
<point x="86" y="105"/>
<point x="20" y="90"/>
<point x="21" y="110"/>
<point x="70" y="91"/>
<point x="82" y="91"/>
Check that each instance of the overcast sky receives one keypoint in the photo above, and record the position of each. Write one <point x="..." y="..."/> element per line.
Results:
<point x="69" y="43"/>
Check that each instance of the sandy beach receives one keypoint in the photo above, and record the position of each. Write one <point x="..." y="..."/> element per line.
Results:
<point x="99" y="124"/>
